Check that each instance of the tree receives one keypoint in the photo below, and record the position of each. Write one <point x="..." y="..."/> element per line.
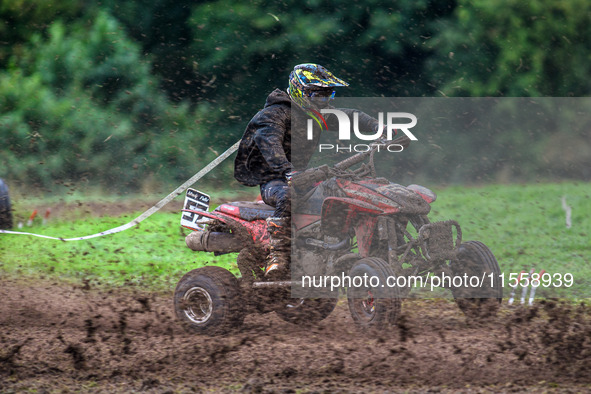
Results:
<point x="514" y="48"/>
<point x="82" y="104"/>
<point x="21" y="19"/>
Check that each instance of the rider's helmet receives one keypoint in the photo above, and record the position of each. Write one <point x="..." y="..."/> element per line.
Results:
<point x="311" y="85"/>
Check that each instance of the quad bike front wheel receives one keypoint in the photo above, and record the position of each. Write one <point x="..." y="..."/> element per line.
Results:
<point x="475" y="260"/>
<point x="5" y="208"/>
<point x="207" y="300"/>
<point x="372" y="302"/>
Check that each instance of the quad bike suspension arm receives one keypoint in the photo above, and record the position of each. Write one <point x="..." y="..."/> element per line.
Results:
<point x="344" y="244"/>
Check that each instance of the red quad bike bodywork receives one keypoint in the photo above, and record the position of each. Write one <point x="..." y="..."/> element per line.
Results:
<point x="249" y="216"/>
<point x="246" y="222"/>
<point x="347" y="223"/>
<point x="365" y="203"/>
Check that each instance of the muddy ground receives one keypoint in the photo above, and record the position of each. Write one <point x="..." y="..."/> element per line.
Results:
<point x="56" y="337"/>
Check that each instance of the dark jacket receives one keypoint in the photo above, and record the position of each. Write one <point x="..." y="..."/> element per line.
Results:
<point x="264" y="153"/>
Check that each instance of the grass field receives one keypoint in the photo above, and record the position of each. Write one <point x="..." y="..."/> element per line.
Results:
<point x="524" y="226"/>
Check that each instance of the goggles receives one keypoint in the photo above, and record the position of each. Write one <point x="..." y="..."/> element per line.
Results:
<point x="322" y="96"/>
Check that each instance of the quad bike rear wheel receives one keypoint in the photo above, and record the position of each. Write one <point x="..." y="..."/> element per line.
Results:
<point x="372" y="302"/>
<point x="207" y="300"/>
<point x="5" y="207"/>
<point x="475" y="259"/>
<point x="304" y="311"/>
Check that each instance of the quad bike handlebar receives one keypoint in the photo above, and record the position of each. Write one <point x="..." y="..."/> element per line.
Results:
<point x="312" y="176"/>
<point x="403" y="141"/>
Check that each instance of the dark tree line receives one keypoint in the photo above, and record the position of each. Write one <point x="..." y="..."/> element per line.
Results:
<point x="125" y="94"/>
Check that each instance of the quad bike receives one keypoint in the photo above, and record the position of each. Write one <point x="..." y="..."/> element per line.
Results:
<point x="344" y="222"/>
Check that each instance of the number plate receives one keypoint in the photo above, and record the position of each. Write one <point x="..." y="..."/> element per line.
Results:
<point x="195" y="201"/>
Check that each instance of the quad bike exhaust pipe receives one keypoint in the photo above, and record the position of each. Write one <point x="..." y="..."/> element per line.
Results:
<point x="205" y="241"/>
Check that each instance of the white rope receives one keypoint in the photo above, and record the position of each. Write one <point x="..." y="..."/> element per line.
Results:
<point x="179" y="190"/>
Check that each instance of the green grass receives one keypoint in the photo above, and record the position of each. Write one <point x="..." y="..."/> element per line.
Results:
<point x="524" y="226"/>
<point x="151" y="255"/>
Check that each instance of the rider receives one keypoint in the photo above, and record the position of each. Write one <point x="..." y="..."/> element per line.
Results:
<point x="264" y="156"/>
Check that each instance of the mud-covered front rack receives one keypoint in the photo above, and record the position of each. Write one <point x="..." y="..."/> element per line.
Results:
<point x="437" y="242"/>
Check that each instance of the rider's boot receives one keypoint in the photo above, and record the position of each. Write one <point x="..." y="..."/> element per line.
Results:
<point x="277" y="265"/>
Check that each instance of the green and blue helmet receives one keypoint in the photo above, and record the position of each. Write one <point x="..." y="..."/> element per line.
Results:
<point x="311" y="85"/>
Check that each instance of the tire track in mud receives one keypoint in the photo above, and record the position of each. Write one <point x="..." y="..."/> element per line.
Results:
<point x="54" y="337"/>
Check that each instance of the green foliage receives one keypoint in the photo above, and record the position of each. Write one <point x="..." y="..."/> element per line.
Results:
<point x="21" y="19"/>
<point x="132" y="94"/>
<point x="241" y="49"/>
<point x="82" y="105"/>
<point x="501" y="140"/>
<point x="161" y="28"/>
<point x="514" y="48"/>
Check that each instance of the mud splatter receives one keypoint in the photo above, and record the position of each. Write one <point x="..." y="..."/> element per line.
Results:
<point x="115" y="341"/>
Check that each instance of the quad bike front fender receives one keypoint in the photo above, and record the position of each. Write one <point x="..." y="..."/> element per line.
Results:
<point x="341" y="214"/>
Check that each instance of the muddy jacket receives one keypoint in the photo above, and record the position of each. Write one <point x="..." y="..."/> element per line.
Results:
<point x="264" y="153"/>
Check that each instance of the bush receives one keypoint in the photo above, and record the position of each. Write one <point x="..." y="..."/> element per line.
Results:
<point x="82" y="106"/>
